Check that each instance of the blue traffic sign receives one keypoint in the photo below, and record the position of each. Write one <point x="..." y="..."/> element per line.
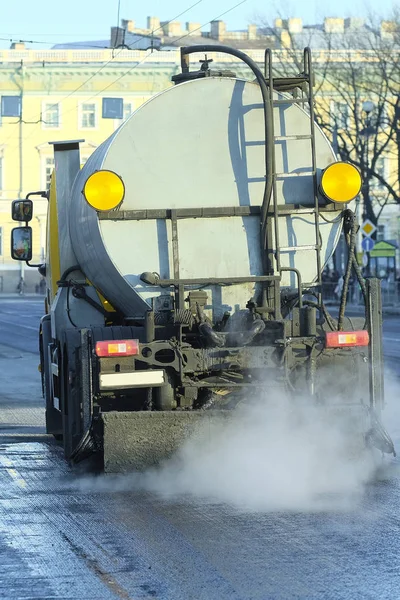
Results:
<point x="367" y="244"/>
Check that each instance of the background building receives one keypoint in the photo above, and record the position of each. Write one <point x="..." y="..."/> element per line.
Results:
<point x="58" y="94"/>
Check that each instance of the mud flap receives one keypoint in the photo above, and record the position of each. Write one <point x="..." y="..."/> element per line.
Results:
<point x="135" y="441"/>
<point x="378" y="437"/>
<point x="362" y="428"/>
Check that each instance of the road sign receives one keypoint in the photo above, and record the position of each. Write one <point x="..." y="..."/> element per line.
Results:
<point x="367" y="244"/>
<point x="364" y="259"/>
<point x="368" y="228"/>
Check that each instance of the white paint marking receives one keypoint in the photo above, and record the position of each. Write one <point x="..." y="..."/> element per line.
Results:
<point x="19" y="325"/>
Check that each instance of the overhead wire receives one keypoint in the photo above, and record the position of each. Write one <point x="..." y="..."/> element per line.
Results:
<point x="121" y="50"/>
<point x="106" y="64"/>
<point x="46" y="34"/>
<point x="118" y="11"/>
<point x="130" y="46"/>
<point x="21" y="41"/>
<point x="175" y="41"/>
<point x="136" y="65"/>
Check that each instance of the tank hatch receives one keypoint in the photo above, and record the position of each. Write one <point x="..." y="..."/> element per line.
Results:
<point x="204" y="71"/>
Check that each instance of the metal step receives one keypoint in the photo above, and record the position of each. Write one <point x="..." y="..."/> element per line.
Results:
<point x="280" y="138"/>
<point x="291" y="101"/>
<point x="313" y="284"/>
<point x="287" y="212"/>
<point x="292" y="175"/>
<point x="284" y="138"/>
<point x="307" y="247"/>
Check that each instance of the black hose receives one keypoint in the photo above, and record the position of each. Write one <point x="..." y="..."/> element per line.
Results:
<point x="358" y="273"/>
<point x="244" y="338"/>
<point x="66" y="273"/>
<point x="69" y="310"/>
<point x="352" y="227"/>
<point x="84" y="448"/>
<point x="355" y="265"/>
<point x="329" y="318"/>
<point x="216" y="339"/>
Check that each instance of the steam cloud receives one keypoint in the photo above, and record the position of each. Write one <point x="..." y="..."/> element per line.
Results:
<point x="279" y="457"/>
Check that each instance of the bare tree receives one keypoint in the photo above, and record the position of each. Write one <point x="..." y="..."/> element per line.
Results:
<point x="357" y="73"/>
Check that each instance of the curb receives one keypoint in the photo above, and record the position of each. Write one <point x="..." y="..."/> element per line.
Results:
<point x="19" y="297"/>
<point x="386" y="310"/>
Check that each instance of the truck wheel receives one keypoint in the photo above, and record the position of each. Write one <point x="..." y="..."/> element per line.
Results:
<point x="53" y="416"/>
<point x="164" y="397"/>
<point x="70" y="378"/>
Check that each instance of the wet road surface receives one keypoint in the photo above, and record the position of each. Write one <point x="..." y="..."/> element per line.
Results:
<point x="60" y="538"/>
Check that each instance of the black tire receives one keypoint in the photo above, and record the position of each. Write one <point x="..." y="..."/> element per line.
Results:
<point x="164" y="397"/>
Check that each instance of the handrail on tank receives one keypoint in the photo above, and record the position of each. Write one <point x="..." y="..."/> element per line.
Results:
<point x="268" y="117"/>
<point x="310" y="76"/>
<point x="299" y="282"/>
<point x="270" y="79"/>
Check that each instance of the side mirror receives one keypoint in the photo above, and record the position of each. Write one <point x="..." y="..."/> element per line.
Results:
<point x="21" y="243"/>
<point x="22" y="210"/>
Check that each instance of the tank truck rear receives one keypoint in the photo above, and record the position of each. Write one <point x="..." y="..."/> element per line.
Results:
<point x="184" y="267"/>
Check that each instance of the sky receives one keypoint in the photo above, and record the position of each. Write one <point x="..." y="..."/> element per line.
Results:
<point x="53" y="21"/>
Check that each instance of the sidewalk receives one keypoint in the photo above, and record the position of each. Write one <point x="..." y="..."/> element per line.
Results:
<point x="16" y="296"/>
<point x="359" y="308"/>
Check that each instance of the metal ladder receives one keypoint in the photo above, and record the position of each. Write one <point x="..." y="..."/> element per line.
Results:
<point x="304" y="83"/>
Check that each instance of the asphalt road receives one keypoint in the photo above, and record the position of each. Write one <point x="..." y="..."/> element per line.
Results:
<point x="65" y="534"/>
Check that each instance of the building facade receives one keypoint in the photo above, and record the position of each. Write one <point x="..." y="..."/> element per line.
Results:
<point x="58" y="94"/>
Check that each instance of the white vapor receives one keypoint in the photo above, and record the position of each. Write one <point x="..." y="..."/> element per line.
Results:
<point x="280" y="457"/>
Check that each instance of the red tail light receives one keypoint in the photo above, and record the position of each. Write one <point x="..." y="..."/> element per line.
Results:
<point x="343" y="339"/>
<point x="117" y="348"/>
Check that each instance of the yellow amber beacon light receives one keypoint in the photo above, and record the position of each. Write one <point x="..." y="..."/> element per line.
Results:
<point x="104" y="190"/>
<point x="341" y="182"/>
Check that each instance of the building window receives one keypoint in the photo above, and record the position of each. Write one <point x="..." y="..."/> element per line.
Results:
<point x="48" y="171"/>
<point x="88" y="116"/>
<point x="381" y="116"/>
<point x="126" y="113"/>
<point x="112" y="108"/>
<point x="380" y="234"/>
<point x="1" y="241"/>
<point x="51" y="115"/>
<point x="11" y="106"/>
<point x="127" y="110"/>
<point x="341" y="114"/>
<point x="380" y="169"/>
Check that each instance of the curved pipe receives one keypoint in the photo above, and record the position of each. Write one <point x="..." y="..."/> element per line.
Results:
<point x="299" y="283"/>
<point x="212" y="336"/>
<point x="244" y="338"/>
<point x="268" y="116"/>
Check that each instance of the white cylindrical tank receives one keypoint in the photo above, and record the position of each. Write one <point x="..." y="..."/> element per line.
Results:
<point x="196" y="145"/>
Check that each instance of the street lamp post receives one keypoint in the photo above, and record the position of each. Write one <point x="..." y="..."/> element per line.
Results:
<point x="367" y="107"/>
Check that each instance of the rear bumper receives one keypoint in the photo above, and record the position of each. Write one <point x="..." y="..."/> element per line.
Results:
<point x="133" y="379"/>
<point x="143" y="439"/>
